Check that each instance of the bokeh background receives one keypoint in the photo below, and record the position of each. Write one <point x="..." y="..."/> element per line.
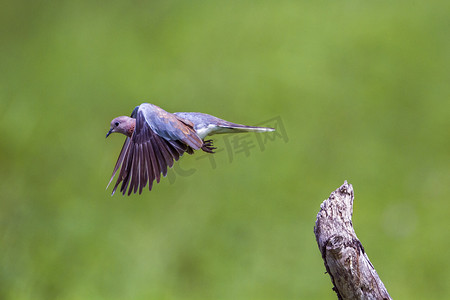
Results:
<point x="361" y="88"/>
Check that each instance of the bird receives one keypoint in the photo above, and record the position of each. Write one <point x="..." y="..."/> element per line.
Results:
<point x="156" y="138"/>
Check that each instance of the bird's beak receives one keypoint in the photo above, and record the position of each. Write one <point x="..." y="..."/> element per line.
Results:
<point x="109" y="132"/>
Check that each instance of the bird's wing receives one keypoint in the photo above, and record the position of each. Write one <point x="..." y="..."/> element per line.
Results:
<point x="169" y="126"/>
<point x="147" y="154"/>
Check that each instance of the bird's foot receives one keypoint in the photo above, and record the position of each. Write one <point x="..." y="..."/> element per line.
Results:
<point x="208" y="146"/>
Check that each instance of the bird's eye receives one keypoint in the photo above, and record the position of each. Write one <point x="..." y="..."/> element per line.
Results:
<point x="117" y="124"/>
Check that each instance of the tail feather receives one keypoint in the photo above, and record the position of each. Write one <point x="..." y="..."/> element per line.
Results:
<point x="206" y="125"/>
<point x="235" y="128"/>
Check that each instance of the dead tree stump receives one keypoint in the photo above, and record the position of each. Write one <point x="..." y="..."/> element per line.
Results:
<point x="351" y="271"/>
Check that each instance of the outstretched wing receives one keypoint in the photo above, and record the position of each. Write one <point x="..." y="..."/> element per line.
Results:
<point x="170" y="126"/>
<point x="158" y="140"/>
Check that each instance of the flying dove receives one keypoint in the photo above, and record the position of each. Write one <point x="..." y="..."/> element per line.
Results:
<point x="157" y="138"/>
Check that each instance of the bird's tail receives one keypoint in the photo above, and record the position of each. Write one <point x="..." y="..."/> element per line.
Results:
<point x="235" y="128"/>
<point x="205" y="124"/>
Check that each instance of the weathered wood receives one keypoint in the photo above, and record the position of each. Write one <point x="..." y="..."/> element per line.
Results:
<point x="351" y="271"/>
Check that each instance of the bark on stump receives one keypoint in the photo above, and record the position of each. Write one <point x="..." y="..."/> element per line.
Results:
<point x="351" y="271"/>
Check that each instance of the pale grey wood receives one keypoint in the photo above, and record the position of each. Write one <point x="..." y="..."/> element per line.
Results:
<point x="351" y="271"/>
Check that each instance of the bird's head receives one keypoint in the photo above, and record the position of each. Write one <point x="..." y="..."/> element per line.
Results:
<point x="123" y="124"/>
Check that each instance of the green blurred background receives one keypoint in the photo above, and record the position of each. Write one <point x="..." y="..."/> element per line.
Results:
<point x="362" y="90"/>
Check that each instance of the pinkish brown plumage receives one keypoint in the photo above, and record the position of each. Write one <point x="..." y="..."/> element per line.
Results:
<point x="122" y="124"/>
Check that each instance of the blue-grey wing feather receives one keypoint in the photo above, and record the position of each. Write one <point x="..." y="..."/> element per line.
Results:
<point x="168" y="126"/>
<point x="134" y="112"/>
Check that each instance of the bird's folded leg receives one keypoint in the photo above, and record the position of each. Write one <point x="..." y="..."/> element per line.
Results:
<point x="208" y="146"/>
